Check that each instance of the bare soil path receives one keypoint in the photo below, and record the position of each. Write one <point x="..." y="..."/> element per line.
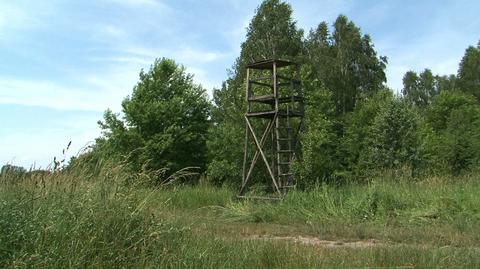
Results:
<point x="314" y="241"/>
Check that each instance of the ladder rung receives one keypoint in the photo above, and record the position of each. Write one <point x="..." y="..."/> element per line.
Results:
<point x="283" y="127"/>
<point x="286" y="174"/>
<point x="285" y="151"/>
<point x="284" y="163"/>
<point x="284" y="139"/>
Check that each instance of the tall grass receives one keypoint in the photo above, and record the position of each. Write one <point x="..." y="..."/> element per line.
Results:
<point x="408" y="202"/>
<point x="74" y="219"/>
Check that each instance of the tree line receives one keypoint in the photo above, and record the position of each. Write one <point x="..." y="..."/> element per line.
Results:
<point x="355" y="126"/>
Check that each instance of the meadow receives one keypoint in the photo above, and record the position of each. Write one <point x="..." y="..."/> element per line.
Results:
<point x="72" y="219"/>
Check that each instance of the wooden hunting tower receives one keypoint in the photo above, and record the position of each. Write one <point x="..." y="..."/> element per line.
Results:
<point x="275" y="111"/>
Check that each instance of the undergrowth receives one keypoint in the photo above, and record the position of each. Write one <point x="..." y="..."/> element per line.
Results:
<point x="71" y="220"/>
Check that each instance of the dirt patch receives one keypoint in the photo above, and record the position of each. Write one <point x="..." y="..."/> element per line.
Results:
<point x="314" y="241"/>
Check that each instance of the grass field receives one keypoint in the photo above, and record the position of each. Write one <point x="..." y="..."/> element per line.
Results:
<point x="73" y="221"/>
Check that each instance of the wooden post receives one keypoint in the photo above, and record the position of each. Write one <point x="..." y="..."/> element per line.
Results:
<point x="245" y="155"/>
<point x="245" y="150"/>
<point x="248" y="92"/>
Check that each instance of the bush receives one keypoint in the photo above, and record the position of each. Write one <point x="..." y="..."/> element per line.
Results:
<point x="392" y="141"/>
<point x="453" y="142"/>
<point x="164" y="125"/>
<point x="317" y="163"/>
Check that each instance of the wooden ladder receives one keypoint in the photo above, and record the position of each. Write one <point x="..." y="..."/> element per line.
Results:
<point x="284" y="151"/>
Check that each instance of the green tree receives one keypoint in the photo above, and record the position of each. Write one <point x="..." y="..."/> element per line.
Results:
<point x="469" y="72"/>
<point x="9" y="169"/>
<point x="443" y="105"/>
<point x="345" y="64"/>
<point x="356" y="146"/>
<point x="453" y="144"/>
<point x="445" y="83"/>
<point x="427" y="84"/>
<point x="420" y="89"/>
<point x="358" y="72"/>
<point x="272" y="34"/>
<point x="462" y="139"/>
<point x="165" y="121"/>
<point x="411" y="87"/>
<point x="392" y="141"/>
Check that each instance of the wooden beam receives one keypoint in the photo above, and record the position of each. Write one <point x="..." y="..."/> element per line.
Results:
<point x="245" y="155"/>
<point x="263" y="155"/>
<point x="255" y="157"/>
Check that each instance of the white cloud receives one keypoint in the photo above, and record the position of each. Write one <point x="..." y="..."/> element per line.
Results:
<point x="50" y="94"/>
<point x="90" y="92"/>
<point x="15" y="18"/>
<point x="200" y="76"/>
<point x="40" y="146"/>
<point x="194" y="60"/>
<point x="113" y="31"/>
<point x="137" y="3"/>
<point x="152" y="5"/>
<point x="136" y="60"/>
<point x="309" y="15"/>
<point x="182" y="54"/>
<point x="192" y="55"/>
<point x="236" y="35"/>
<point x="418" y="53"/>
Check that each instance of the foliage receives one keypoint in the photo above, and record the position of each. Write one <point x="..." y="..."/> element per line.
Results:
<point x="345" y="61"/>
<point x="443" y="105"/>
<point x="12" y="169"/>
<point x="164" y="124"/>
<point x="344" y="64"/>
<point x="454" y="119"/>
<point x="420" y="89"/>
<point x="354" y="126"/>
<point x="271" y="34"/>
<point x="358" y="127"/>
<point x="392" y="140"/>
<point x="225" y="153"/>
<point x="469" y="71"/>
<point x="317" y="163"/>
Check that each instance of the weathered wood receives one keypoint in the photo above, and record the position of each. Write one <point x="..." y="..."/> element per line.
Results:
<point x="285" y="119"/>
<point x="255" y="157"/>
<point x="262" y="114"/>
<point x="267" y="64"/>
<point x="270" y="99"/>
<point x="248" y="92"/>
<point x="263" y="156"/>
<point x="245" y="153"/>
<point x="245" y="149"/>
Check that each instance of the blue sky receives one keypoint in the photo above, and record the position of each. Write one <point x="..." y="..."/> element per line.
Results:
<point x="62" y="63"/>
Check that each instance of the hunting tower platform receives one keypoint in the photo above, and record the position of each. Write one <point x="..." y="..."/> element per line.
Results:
<point x="274" y="119"/>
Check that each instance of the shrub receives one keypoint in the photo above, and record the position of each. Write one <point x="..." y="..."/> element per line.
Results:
<point x="164" y="125"/>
